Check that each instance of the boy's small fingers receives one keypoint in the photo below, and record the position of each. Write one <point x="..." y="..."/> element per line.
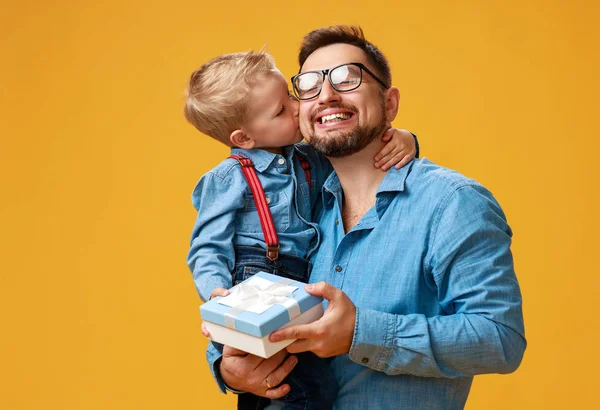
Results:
<point x="388" y="162"/>
<point x="386" y="150"/>
<point x="387" y="135"/>
<point x="219" y="292"/>
<point x="385" y="157"/>
<point x="403" y="162"/>
<point x="395" y="160"/>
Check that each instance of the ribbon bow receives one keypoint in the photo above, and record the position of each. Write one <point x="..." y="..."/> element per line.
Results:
<point x="270" y="295"/>
<point x="249" y="294"/>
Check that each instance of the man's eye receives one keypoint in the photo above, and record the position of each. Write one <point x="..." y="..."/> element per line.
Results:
<point x="281" y="112"/>
<point x="348" y="81"/>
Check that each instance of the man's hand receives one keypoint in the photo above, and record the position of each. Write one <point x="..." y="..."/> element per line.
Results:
<point x="253" y="374"/>
<point x="329" y="336"/>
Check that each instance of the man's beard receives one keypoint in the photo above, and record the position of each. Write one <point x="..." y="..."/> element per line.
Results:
<point x="337" y="144"/>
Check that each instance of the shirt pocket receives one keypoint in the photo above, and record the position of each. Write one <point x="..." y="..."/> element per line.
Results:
<point x="248" y="220"/>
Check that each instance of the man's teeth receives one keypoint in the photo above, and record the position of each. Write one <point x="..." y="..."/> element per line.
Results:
<point x="334" y="118"/>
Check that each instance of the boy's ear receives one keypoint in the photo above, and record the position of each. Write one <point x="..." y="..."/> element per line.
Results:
<point x="240" y="139"/>
<point x="392" y="102"/>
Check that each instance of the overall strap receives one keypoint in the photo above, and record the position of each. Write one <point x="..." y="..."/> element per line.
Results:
<point x="264" y="213"/>
<point x="306" y="167"/>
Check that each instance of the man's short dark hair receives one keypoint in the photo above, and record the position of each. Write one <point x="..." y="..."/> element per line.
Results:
<point x="352" y="35"/>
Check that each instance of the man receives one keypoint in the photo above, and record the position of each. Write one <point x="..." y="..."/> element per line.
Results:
<point x="415" y="264"/>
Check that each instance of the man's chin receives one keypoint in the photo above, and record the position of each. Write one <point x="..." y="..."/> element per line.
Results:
<point x="337" y="134"/>
<point x="335" y="146"/>
<point x="343" y="143"/>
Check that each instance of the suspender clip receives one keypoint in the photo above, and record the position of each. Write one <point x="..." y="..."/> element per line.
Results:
<point x="273" y="252"/>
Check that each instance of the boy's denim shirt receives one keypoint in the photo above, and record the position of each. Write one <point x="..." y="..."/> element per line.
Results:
<point x="227" y="213"/>
<point x="431" y="273"/>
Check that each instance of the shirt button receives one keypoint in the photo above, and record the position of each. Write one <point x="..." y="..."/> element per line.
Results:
<point x="281" y="161"/>
<point x="268" y="200"/>
<point x="337" y="222"/>
<point x="365" y="360"/>
<point x="338" y="268"/>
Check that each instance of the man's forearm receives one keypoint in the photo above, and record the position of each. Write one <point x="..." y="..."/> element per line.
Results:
<point x="443" y="346"/>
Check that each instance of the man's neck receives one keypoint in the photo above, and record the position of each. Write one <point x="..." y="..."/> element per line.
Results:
<point x="360" y="181"/>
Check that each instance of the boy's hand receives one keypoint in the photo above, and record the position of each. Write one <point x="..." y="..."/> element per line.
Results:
<point x="215" y="292"/>
<point x="219" y="292"/>
<point x="205" y="331"/>
<point x="398" y="151"/>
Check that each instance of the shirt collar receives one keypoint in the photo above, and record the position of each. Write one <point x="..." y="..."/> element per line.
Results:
<point x="394" y="181"/>
<point x="260" y="157"/>
<point x="331" y="189"/>
<point x="302" y="148"/>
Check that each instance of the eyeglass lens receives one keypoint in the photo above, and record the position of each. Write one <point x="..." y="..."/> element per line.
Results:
<point x="343" y="78"/>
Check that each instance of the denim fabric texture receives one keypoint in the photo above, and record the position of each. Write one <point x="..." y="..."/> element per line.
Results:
<point x="431" y="273"/>
<point x="227" y="213"/>
<point x="313" y="386"/>
<point x="228" y="246"/>
<point x="250" y="260"/>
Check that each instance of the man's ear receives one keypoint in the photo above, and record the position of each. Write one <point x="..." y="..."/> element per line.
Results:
<point x="240" y="139"/>
<point x="392" y="102"/>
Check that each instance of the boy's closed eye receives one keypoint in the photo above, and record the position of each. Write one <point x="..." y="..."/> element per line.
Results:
<point x="281" y="111"/>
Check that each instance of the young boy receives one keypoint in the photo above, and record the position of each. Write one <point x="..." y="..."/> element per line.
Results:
<point x="243" y="101"/>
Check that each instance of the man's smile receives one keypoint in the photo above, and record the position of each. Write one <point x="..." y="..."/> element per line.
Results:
<point x="332" y="117"/>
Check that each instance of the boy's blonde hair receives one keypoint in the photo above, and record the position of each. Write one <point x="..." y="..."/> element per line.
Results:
<point x="217" y="93"/>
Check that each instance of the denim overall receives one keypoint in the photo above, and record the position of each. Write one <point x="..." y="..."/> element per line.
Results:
<point x="313" y="386"/>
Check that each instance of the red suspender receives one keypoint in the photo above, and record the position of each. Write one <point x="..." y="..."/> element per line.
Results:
<point x="306" y="167"/>
<point x="264" y="213"/>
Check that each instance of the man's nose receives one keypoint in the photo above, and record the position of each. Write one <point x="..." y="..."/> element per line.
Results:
<point x="328" y="93"/>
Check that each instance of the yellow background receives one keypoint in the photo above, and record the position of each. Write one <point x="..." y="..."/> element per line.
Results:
<point x="98" y="309"/>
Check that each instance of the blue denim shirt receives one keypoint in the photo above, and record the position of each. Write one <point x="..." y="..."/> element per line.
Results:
<point x="227" y="213"/>
<point x="431" y="273"/>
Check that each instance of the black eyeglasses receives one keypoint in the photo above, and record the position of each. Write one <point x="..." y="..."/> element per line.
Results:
<point x="343" y="78"/>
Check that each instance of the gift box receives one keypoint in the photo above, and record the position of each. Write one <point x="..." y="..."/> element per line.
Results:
<point x="257" y="307"/>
